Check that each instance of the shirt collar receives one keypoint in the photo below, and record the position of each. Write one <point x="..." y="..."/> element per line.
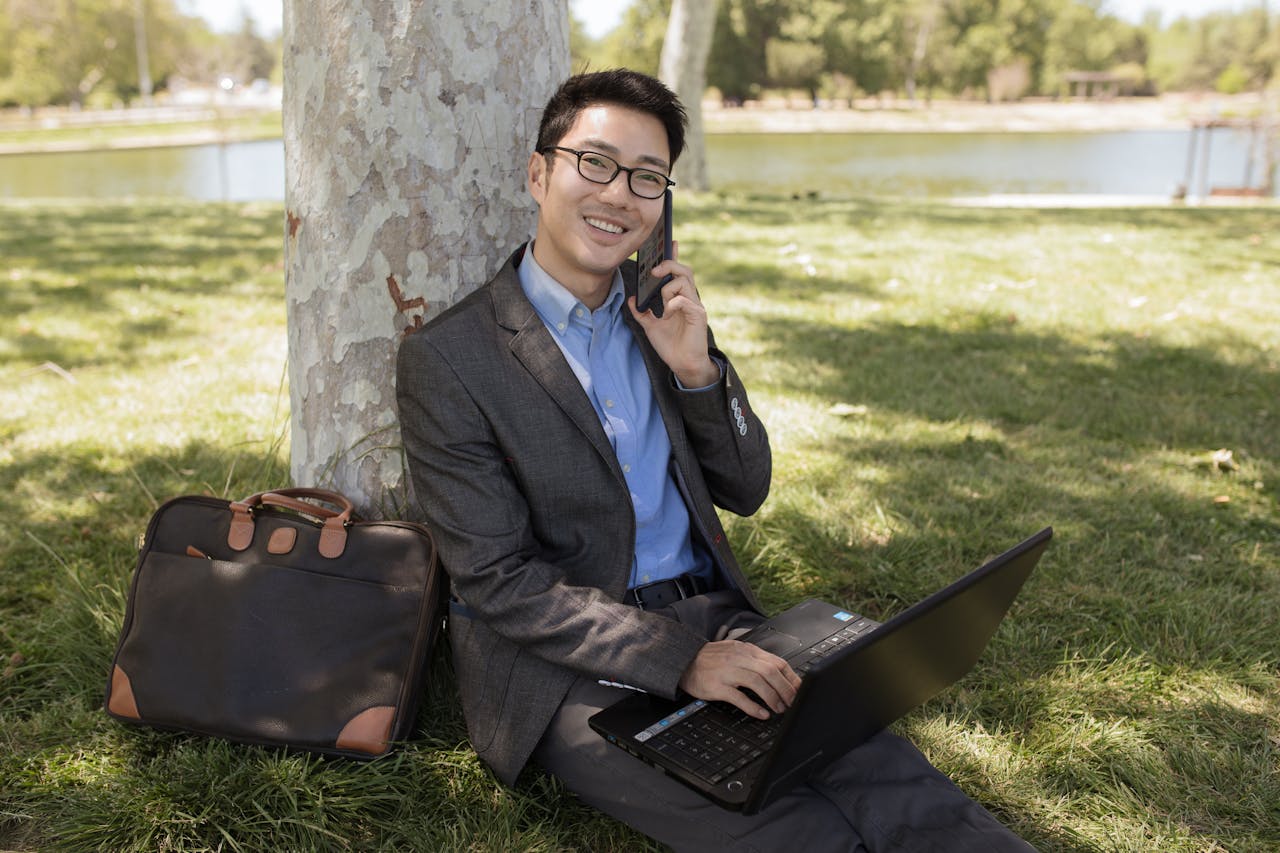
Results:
<point x="553" y="302"/>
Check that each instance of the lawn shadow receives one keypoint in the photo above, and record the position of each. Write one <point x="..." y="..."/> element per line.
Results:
<point x="92" y="282"/>
<point x="1123" y="387"/>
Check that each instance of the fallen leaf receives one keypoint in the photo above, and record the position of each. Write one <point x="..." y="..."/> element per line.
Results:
<point x="1222" y="500"/>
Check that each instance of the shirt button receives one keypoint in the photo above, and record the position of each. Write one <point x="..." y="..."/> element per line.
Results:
<point x="581" y="313"/>
<point x="608" y="404"/>
<point x="626" y="469"/>
<point x="560" y="326"/>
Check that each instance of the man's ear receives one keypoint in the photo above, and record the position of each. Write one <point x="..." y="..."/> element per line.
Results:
<point x="537" y="177"/>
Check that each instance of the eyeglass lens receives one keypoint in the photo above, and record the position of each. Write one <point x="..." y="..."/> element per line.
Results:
<point x="602" y="169"/>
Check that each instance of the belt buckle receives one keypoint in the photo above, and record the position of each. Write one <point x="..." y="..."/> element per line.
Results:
<point x="637" y="592"/>
<point x="683" y="585"/>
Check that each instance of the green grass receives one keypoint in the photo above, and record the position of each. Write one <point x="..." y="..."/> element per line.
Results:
<point x="239" y="126"/>
<point x="938" y="383"/>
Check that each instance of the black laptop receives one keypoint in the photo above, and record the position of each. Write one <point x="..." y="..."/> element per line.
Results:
<point x="857" y="676"/>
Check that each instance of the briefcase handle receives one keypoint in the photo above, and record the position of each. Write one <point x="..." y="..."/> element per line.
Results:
<point x="288" y="498"/>
<point x="333" y="529"/>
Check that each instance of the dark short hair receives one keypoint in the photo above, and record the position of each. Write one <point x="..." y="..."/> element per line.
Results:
<point x="621" y="87"/>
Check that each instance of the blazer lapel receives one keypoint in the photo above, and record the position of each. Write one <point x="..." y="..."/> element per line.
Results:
<point x="533" y="346"/>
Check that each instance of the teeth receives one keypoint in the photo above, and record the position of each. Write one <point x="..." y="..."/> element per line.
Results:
<point x="605" y="226"/>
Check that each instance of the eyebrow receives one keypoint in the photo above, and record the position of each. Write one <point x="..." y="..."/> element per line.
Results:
<point x="612" y="150"/>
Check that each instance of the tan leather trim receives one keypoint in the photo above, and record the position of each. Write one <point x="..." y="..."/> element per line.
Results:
<point x="240" y="536"/>
<point x="336" y="498"/>
<point x="333" y="539"/>
<point x="306" y="508"/>
<point x="282" y="540"/>
<point x="368" y="731"/>
<point x="122" y="703"/>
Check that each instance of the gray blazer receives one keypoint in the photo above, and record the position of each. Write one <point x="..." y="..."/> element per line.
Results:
<point x="532" y="515"/>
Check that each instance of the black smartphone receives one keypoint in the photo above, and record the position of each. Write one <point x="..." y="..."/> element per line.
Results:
<point x="655" y="250"/>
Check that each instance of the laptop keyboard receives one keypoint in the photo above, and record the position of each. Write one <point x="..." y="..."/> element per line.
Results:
<point x="716" y="740"/>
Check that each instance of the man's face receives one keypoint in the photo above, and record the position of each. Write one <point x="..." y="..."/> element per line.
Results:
<point x="585" y="229"/>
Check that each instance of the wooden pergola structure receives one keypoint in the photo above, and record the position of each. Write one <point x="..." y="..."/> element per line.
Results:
<point x="1094" y="84"/>
<point x="1260" y="149"/>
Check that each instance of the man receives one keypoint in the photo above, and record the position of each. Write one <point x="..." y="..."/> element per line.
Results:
<point x="569" y="452"/>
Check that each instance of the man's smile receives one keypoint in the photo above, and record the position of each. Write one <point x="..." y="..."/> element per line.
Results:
<point x="605" y="225"/>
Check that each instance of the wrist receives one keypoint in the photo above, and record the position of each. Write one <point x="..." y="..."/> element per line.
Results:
<point x="699" y="376"/>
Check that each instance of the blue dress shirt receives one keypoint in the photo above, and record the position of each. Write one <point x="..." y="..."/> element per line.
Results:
<point x="603" y="353"/>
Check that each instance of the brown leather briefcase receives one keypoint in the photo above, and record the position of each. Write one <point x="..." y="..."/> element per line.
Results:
<point x="278" y="621"/>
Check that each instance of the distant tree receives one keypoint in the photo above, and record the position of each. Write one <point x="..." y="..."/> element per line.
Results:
<point x="581" y="45"/>
<point x="72" y="53"/>
<point x="683" y="67"/>
<point x="738" y="64"/>
<point x="919" y="30"/>
<point x="636" y="42"/>
<point x="1026" y="25"/>
<point x="858" y="39"/>
<point x="247" y="55"/>
<point x="1191" y="54"/>
<point x="1233" y="80"/>
<point x="86" y="52"/>
<point x="729" y="67"/>
<point x="1268" y="55"/>
<point x="794" y="65"/>
<point x="1171" y="51"/>
<point x="7" y="36"/>
<point x="867" y="47"/>
<point x="1255" y="40"/>
<point x="1079" y="39"/>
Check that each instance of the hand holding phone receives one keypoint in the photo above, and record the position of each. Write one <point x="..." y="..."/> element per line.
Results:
<point x="655" y="249"/>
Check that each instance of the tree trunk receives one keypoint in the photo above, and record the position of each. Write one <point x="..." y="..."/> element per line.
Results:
<point x="407" y="127"/>
<point x="927" y="17"/>
<point x="683" y="67"/>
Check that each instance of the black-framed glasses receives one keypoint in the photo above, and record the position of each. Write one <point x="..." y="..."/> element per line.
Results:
<point x="602" y="169"/>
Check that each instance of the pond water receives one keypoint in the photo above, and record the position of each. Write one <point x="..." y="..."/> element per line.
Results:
<point x="1132" y="163"/>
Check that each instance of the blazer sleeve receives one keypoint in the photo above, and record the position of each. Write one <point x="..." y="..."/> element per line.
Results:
<point x="483" y="525"/>
<point x="728" y="441"/>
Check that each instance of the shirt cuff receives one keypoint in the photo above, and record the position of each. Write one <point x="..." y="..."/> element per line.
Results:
<point x="718" y="362"/>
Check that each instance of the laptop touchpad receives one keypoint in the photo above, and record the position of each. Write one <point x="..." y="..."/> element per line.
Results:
<point x="775" y="642"/>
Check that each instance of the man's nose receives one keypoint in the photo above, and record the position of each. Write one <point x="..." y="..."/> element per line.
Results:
<point x="618" y="191"/>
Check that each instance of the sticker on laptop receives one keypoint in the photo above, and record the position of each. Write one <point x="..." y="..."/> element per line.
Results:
<point x="843" y="617"/>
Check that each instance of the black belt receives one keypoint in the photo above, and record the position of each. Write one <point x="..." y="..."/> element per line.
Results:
<point x="652" y="596"/>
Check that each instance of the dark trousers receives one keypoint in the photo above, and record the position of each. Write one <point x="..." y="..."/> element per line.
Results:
<point x="884" y="795"/>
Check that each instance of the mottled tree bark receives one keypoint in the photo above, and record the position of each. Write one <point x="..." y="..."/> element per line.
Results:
<point x="407" y="127"/>
<point x="683" y="67"/>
